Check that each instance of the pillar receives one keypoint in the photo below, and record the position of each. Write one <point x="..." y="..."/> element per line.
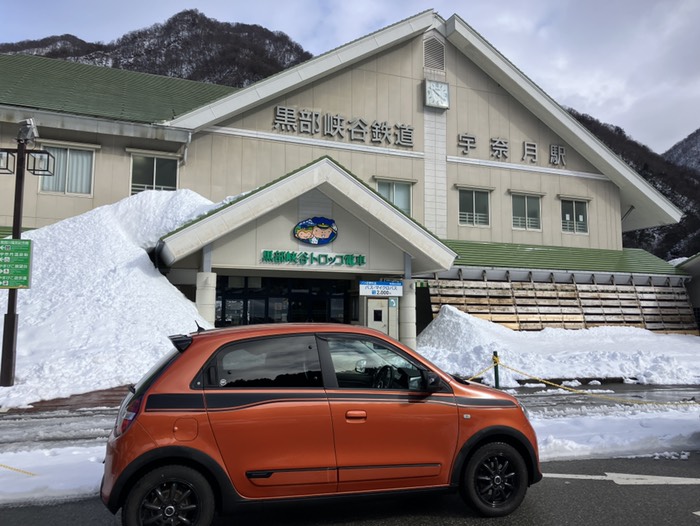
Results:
<point x="407" y="314"/>
<point x="205" y="297"/>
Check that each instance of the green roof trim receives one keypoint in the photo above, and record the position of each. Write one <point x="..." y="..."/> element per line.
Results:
<point x="511" y="255"/>
<point x="5" y="231"/>
<point x="95" y="91"/>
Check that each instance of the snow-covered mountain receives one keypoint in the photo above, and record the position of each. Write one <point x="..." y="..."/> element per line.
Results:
<point x="188" y="45"/>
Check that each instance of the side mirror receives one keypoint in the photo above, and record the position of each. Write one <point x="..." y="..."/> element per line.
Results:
<point x="361" y="366"/>
<point x="431" y="381"/>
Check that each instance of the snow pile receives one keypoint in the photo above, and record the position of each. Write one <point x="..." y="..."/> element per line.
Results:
<point x="98" y="316"/>
<point x="98" y="312"/>
<point x="463" y="344"/>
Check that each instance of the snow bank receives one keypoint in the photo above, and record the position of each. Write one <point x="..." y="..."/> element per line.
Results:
<point x="464" y="344"/>
<point x="98" y="312"/>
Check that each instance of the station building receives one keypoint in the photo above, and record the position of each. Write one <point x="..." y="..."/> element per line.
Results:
<point x="409" y="169"/>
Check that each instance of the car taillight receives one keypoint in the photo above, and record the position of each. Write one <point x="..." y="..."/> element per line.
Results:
<point x="127" y="414"/>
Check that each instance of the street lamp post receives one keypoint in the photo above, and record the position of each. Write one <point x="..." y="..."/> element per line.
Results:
<point x="27" y="134"/>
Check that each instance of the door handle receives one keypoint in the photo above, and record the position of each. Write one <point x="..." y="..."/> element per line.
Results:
<point x="356" y="415"/>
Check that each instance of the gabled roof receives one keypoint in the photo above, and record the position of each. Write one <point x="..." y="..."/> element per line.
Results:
<point x="428" y="253"/>
<point x="641" y="204"/>
<point x="33" y="82"/>
<point x="691" y="265"/>
<point x="648" y="206"/>
<point x="308" y="72"/>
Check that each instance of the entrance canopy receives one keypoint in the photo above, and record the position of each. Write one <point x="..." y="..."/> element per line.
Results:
<point x="246" y="213"/>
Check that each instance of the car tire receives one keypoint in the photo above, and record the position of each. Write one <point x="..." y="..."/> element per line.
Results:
<point x="172" y="495"/>
<point x="495" y="480"/>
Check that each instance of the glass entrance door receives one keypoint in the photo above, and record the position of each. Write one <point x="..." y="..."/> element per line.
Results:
<point x="280" y="300"/>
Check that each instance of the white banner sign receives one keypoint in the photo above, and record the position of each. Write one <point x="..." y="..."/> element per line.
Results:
<point x="381" y="288"/>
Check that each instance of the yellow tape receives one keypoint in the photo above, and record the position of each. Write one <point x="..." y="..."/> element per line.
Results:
<point x="29" y="473"/>
<point x="604" y="397"/>
<point x="481" y="372"/>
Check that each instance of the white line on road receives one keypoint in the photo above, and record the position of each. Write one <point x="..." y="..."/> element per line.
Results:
<point x="623" y="479"/>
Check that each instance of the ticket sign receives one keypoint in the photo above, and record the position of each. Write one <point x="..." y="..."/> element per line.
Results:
<point x="15" y="263"/>
<point x="381" y="288"/>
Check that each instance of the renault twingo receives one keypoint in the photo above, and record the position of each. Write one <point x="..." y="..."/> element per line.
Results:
<point x="292" y="411"/>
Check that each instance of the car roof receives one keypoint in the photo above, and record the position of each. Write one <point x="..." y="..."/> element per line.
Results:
<point x="275" y="329"/>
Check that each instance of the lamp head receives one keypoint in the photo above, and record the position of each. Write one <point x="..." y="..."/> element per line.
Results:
<point x="27" y="131"/>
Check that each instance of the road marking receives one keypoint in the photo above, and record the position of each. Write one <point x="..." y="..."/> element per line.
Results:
<point x="696" y="513"/>
<point x="623" y="479"/>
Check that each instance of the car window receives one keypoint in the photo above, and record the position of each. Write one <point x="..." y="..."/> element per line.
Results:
<point x="367" y="363"/>
<point x="289" y="361"/>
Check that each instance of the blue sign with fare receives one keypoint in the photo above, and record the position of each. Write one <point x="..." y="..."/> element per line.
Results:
<point x="381" y="288"/>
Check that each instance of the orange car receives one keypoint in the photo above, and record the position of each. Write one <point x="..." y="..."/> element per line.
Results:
<point x="282" y="411"/>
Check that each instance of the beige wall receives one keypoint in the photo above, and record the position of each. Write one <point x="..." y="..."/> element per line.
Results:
<point x="246" y="152"/>
<point x="242" y="248"/>
<point x="389" y="88"/>
<point x="111" y="177"/>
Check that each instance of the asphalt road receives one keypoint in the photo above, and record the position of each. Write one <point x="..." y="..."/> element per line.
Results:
<point x="565" y="501"/>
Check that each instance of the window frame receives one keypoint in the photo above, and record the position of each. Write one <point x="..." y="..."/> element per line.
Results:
<point x="330" y="374"/>
<point x="155" y="155"/>
<point x="527" y="218"/>
<point x="574" y="201"/>
<point x="203" y="379"/>
<point x="474" y="190"/>
<point x="393" y="183"/>
<point x="92" y="149"/>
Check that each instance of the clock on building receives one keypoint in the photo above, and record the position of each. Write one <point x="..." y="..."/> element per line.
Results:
<point x="437" y="94"/>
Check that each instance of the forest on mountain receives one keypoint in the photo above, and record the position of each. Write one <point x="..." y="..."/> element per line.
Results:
<point x="188" y="45"/>
<point x="191" y="46"/>
<point x="672" y="174"/>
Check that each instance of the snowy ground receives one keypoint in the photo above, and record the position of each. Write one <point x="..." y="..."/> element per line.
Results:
<point x="98" y="315"/>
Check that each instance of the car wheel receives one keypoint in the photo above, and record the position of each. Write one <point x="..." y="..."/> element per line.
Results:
<point x="171" y="495"/>
<point x="495" y="480"/>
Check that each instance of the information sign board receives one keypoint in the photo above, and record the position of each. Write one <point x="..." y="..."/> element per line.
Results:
<point x="381" y="288"/>
<point x="15" y="263"/>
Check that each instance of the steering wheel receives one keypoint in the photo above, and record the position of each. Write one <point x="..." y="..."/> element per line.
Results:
<point x="383" y="377"/>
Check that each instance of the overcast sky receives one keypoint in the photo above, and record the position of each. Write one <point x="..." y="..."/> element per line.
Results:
<point x="631" y="63"/>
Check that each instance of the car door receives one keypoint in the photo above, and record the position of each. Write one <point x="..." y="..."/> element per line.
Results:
<point x="390" y="433"/>
<point x="270" y="416"/>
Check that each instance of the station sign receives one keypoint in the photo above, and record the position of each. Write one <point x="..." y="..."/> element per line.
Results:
<point x="15" y="263"/>
<point x="381" y="288"/>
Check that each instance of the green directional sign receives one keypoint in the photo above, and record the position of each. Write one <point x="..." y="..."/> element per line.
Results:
<point x="15" y="263"/>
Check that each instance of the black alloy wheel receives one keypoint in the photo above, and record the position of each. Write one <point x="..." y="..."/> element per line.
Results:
<point x="170" y="496"/>
<point x="495" y="480"/>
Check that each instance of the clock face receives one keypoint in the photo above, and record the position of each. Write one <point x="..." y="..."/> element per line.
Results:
<point x="437" y="94"/>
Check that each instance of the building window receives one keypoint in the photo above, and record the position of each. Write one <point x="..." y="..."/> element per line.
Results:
<point x="153" y="173"/>
<point x="574" y="216"/>
<point x="399" y="194"/>
<point x="473" y="207"/>
<point x="526" y="212"/>
<point x="72" y="172"/>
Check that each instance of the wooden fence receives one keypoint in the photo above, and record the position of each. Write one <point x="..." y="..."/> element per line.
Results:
<point x="535" y="306"/>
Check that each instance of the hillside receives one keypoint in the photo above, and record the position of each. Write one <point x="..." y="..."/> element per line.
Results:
<point x="680" y="184"/>
<point x="686" y="152"/>
<point x="189" y="45"/>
